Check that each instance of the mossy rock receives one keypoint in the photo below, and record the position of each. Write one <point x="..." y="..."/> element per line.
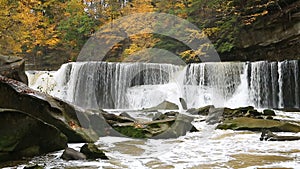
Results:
<point x="268" y="112"/>
<point x="245" y="123"/>
<point x="131" y="131"/>
<point x="92" y="152"/>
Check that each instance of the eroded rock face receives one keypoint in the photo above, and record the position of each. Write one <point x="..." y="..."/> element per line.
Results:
<point x="13" y="67"/>
<point x="274" y="36"/>
<point x="64" y="116"/>
<point x="22" y="135"/>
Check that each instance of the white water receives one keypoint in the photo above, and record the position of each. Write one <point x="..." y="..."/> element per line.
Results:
<point x="140" y="85"/>
<point x="135" y="86"/>
<point x="208" y="148"/>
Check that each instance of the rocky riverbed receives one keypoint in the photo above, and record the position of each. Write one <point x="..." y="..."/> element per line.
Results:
<point x="41" y="131"/>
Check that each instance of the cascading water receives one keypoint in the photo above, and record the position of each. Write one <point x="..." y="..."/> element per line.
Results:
<point x="139" y="85"/>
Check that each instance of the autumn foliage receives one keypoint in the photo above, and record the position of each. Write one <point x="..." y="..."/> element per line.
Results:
<point x="40" y="28"/>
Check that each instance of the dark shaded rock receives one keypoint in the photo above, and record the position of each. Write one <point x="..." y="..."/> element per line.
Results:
<point x="13" y="67"/>
<point x="171" y="113"/>
<point x="200" y="111"/>
<point x="288" y="109"/>
<point x="245" y="123"/>
<point x="64" y="116"/>
<point x="268" y="112"/>
<point x="92" y="152"/>
<point x="71" y="154"/>
<point x="183" y="103"/>
<point x="22" y="135"/>
<point x="267" y="135"/>
<point x="165" y="105"/>
<point x="33" y="167"/>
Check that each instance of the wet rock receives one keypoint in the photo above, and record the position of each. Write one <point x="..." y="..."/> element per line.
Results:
<point x="112" y="118"/>
<point x="183" y="103"/>
<point x="214" y="116"/>
<point x="200" y="111"/>
<point x="13" y="67"/>
<point x="33" y="167"/>
<point x="124" y="114"/>
<point x="180" y="127"/>
<point x="169" y="127"/>
<point x="162" y="116"/>
<point x="245" y="123"/>
<point x="22" y="135"/>
<point x="289" y="109"/>
<point x="92" y="152"/>
<point x="268" y="112"/>
<point x="165" y="105"/>
<point x="267" y="135"/>
<point x="95" y="120"/>
<point x="64" y="116"/>
<point x="159" y="116"/>
<point x="171" y="113"/>
<point x="71" y="154"/>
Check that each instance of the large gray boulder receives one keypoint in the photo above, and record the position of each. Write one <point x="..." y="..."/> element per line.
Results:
<point x="64" y="116"/>
<point x="13" y="67"/>
<point x="22" y="135"/>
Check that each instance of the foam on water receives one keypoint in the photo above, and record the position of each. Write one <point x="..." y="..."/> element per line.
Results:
<point x="215" y="148"/>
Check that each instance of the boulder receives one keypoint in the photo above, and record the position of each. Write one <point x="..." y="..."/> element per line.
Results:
<point x="246" y="123"/>
<point x="33" y="167"/>
<point x="183" y="103"/>
<point x="92" y="152"/>
<point x="71" y="154"/>
<point x="159" y="116"/>
<point x="214" y="116"/>
<point x="124" y="114"/>
<point x="64" y="116"/>
<point x="22" y="135"/>
<point x="180" y="127"/>
<point x="267" y="135"/>
<point x="13" y="67"/>
<point x="200" y="111"/>
<point x="165" y="105"/>
<point x="169" y="127"/>
<point x="268" y="112"/>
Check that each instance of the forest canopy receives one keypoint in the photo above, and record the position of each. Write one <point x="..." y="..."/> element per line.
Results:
<point x="46" y="28"/>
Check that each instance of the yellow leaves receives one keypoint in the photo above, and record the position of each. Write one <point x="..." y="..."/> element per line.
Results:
<point x="211" y="31"/>
<point x="251" y="18"/>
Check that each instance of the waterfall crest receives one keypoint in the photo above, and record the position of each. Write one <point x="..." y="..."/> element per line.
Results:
<point x="139" y="85"/>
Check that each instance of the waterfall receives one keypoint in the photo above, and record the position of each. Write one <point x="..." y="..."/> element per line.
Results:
<point x="109" y="85"/>
<point x="210" y="83"/>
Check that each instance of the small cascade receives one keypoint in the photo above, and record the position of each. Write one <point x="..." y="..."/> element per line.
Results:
<point x="211" y="83"/>
<point x="140" y="85"/>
